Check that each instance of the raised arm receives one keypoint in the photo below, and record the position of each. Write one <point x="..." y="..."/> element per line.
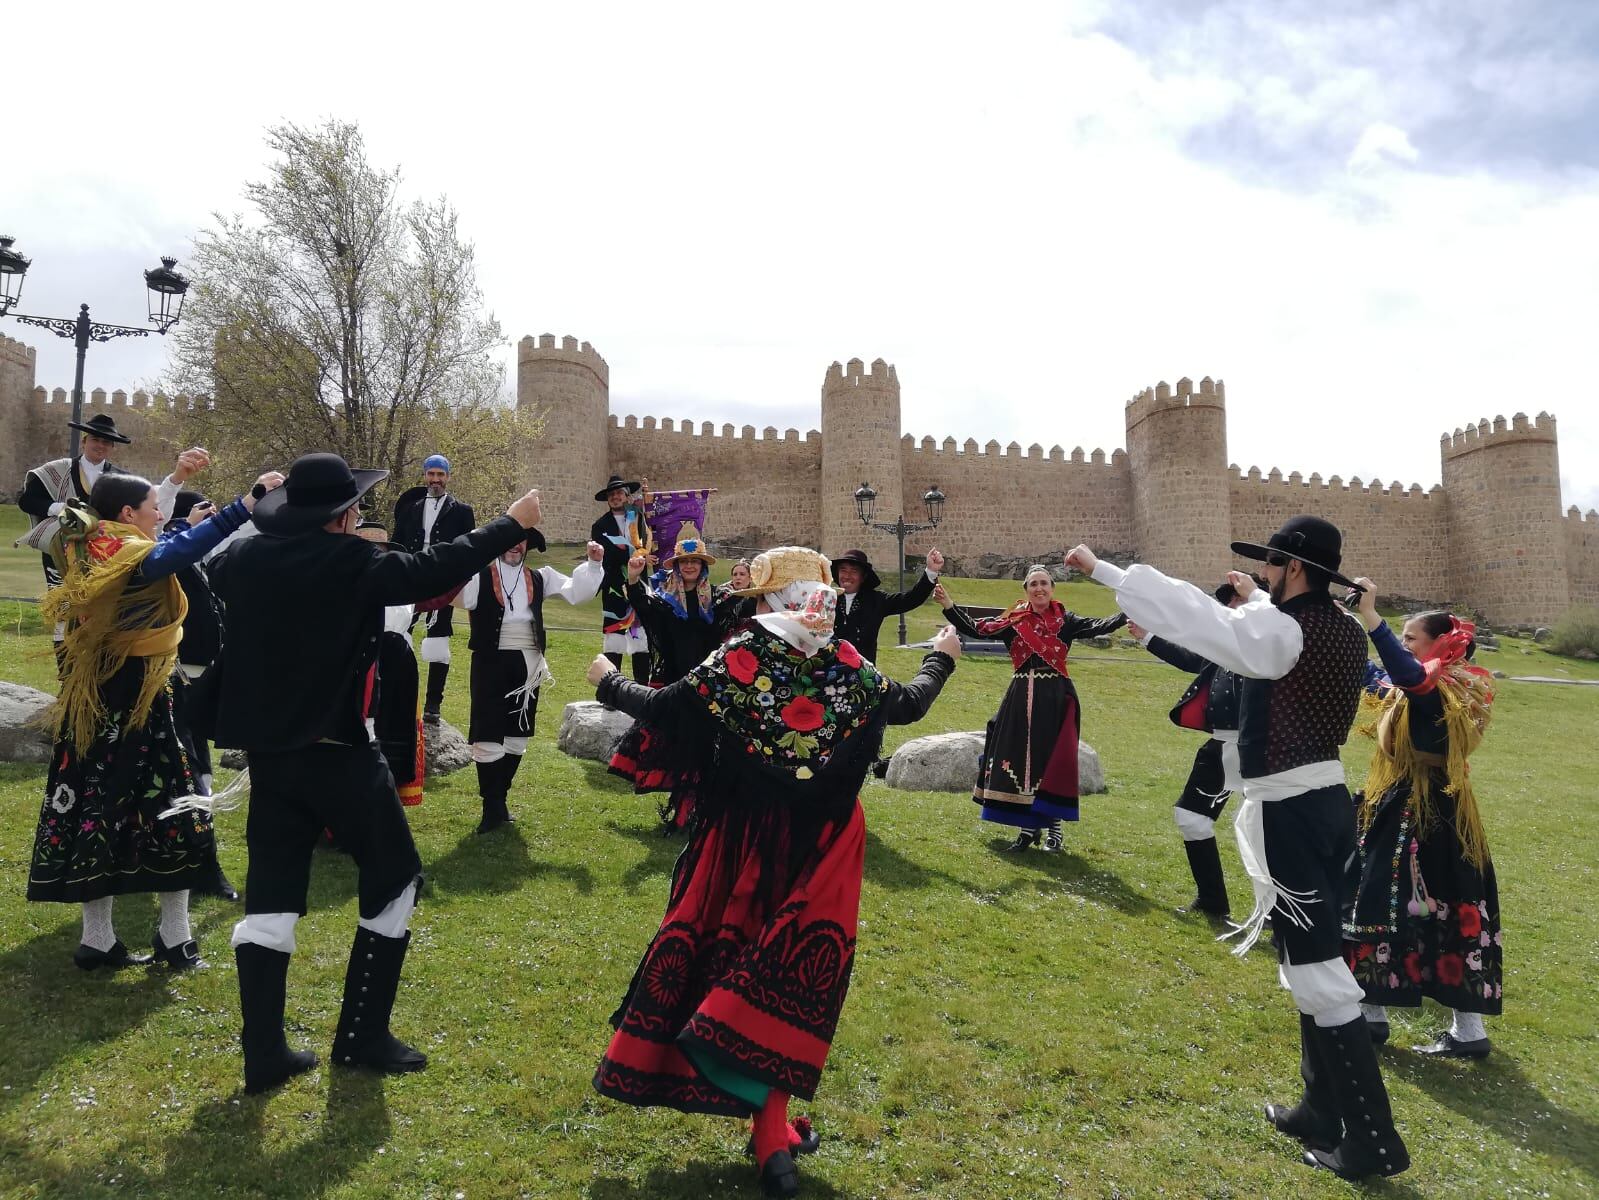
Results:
<point x="912" y="597"/>
<point x="582" y="586"/>
<point x="640" y="700"/>
<point x="907" y="703"/>
<point x="1086" y="627"/>
<point x="1172" y="654"/>
<point x="188" y="546"/>
<point x="1403" y="667"/>
<point x="396" y="577"/>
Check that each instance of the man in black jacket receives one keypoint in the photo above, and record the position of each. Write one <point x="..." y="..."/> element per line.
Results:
<point x="1208" y="704"/>
<point x="863" y="608"/>
<point x="624" y="532"/>
<point x="304" y="608"/>
<point x="429" y="516"/>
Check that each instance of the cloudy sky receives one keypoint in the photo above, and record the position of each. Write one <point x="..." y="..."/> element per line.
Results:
<point x="1375" y="220"/>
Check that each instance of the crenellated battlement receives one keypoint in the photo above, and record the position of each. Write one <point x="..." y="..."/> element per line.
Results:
<point x="55" y="400"/>
<point x="1591" y="517"/>
<point x="1497" y="432"/>
<point x="855" y="373"/>
<point x="1295" y="482"/>
<point x="17" y="352"/>
<point x="708" y="431"/>
<point x="546" y="348"/>
<point x="1208" y="393"/>
<point x="969" y="449"/>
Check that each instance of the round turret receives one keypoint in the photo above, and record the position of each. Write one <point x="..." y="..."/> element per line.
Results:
<point x="569" y="387"/>
<point x="1177" y="455"/>
<point x="860" y="443"/>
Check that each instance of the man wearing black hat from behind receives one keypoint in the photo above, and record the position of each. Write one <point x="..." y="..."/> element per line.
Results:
<point x="304" y="605"/>
<point x="623" y="531"/>
<point x="863" y="607"/>
<point x="1302" y="663"/>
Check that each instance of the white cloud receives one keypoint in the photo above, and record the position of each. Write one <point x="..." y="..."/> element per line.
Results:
<point x="1009" y="208"/>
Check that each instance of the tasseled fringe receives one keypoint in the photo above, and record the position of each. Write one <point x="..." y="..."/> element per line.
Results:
<point x="1249" y="827"/>
<point x="228" y="799"/>
<point x="537" y="676"/>
<point x="1466" y="703"/>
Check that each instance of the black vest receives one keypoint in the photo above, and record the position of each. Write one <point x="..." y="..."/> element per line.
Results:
<point x="489" y="615"/>
<point x="1305" y="716"/>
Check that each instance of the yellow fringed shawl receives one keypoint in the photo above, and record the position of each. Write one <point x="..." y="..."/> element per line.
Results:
<point x="108" y="622"/>
<point x="1466" y="711"/>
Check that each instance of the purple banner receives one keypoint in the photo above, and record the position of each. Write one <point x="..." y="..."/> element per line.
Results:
<point x="669" y="510"/>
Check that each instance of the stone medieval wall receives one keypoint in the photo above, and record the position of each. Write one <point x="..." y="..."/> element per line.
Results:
<point x="1491" y="537"/>
<point x="1397" y="536"/>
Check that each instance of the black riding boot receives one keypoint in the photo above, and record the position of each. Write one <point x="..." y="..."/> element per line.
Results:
<point x="641" y="668"/>
<point x="370" y="982"/>
<point x="1314" y="1120"/>
<point x="1204" y="860"/>
<point x="263" y="978"/>
<point x="438" y="674"/>
<point x="493" y="781"/>
<point x="1371" y="1144"/>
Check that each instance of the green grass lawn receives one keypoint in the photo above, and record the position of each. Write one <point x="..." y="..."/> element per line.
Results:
<point x="1037" y="1027"/>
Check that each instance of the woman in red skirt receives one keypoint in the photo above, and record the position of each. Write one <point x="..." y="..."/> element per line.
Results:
<point x="733" y="1008"/>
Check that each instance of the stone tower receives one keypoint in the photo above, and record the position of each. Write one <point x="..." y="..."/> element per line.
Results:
<point x="569" y="386"/>
<point x="1507" y="548"/>
<point x="1182" y="503"/>
<point x="860" y="443"/>
<point x="20" y="418"/>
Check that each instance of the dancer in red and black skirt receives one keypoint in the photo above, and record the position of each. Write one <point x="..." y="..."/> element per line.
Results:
<point x="734" y="1006"/>
<point x="1425" y="917"/>
<point x="1028" y="775"/>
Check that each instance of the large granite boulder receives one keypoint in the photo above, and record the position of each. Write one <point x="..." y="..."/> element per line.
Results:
<point x="22" y="738"/>
<point x="947" y="762"/>
<point x="589" y="729"/>
<point x="447" y="750"/>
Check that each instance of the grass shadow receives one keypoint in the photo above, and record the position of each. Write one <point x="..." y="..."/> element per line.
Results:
<point x="1495" y="1092"/>
<point x="1076" y="874"/>
<point x="661" y="850"/>
<point x="888" y="867"/>
<point x="493" y="863"/>
<point x="697" y="1180"/>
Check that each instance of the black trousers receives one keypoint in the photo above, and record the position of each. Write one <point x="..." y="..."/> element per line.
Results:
<point x="297" y="794"/>
<point x="443" y="622"/>
<point x="1206" y="792"/>
<point x="1310" y="840"/>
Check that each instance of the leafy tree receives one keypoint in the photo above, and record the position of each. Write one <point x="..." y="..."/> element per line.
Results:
<point x="334" y="317"/>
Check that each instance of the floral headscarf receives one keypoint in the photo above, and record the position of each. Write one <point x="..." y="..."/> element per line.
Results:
<point x="802" y="614"/>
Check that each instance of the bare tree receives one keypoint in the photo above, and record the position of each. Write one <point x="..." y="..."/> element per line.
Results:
<point x="334" y="317"/>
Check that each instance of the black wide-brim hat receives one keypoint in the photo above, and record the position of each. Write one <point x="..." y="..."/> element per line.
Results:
<point x="101" y="425"/>
<point x="616" y="482"/>
<point x="319" y="487"/>
<point x="869" y="579"/>
<point x="1309" y="539"/>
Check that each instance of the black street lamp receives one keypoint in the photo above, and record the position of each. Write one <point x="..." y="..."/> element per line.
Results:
<point x="866" y="509"/>
<point x="167" y="289"/>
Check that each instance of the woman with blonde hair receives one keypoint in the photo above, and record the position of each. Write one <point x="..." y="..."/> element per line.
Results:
<point x="122" y="809"/>
<point x="1425" y="920"/>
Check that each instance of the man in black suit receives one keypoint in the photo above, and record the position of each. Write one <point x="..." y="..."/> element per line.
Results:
<point x="429" y="516"/>
<point x="304" y="605"/>
<point x="863" y="608"/>
<point x="624" y="532"/>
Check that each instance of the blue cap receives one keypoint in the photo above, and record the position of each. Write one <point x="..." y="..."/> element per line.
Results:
<point x="436" y="462"/>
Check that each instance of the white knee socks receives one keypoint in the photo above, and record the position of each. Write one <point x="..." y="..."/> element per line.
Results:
<point x="1468" y="1027"/>
<point x="175" y="918"/>
<point x="97" y="931"/>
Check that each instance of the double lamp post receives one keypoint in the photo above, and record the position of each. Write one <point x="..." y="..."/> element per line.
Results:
<point x="167" y="289"/>
<point x="866" y="509"/>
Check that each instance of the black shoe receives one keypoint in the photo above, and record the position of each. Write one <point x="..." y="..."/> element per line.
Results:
<point x="114" y="959"/>
<point x="1371" y="1145"/>
<point x="1449" y="1046"/>
<point x="268" y="1061"/>
<point x="880" y="768"/>
<point x="430" y="716"/>
<point x="1054" y="840"/>
<point x="182" y="957"/>
<point x="370" y="983"/>
<point x="222" y="888"/>
<point x="1379" y="1032"/>
<point x="1025" y="839"/>
<point x="494" y="816"/>
<point x="1314" y="1120"/>
<point x="779" y="1175"/>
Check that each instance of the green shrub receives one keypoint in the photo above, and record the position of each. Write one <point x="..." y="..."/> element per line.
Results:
<point x="1576" y="631"/>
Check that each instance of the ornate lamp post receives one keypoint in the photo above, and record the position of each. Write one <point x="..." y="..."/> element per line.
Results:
<point x="866" y="509"/>
<point x="167" y="289"/>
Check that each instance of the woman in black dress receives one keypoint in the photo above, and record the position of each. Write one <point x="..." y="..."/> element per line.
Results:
<point x="1028" y="774"/>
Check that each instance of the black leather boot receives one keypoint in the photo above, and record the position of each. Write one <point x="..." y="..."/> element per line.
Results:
<point x="1204" y="860"/>
<point x="370" y="983"/>
<point x="438" y="673"/>
<point x="1314" y="1120"/>
<point x="268" y="1061"/>
<point x="641" y="668"/>
<point x="493" y="782"/>
<point x="1371" y="1144"/>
